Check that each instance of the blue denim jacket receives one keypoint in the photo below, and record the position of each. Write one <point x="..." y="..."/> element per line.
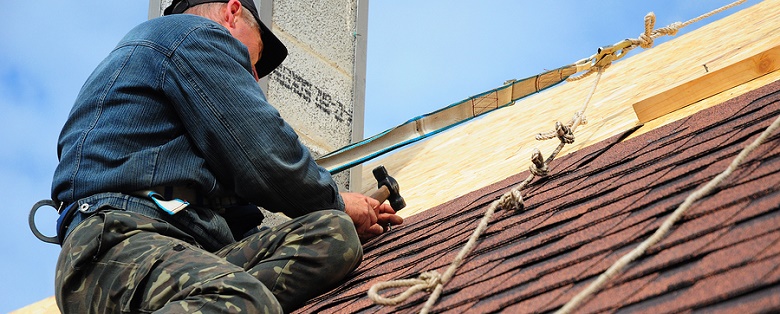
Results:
<point x="176" y="104"/>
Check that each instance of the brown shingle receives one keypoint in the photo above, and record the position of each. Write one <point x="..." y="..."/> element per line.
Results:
<point x="597" y="204"/>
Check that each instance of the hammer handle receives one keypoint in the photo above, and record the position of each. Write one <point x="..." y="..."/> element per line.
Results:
<point x="381" y="194"/>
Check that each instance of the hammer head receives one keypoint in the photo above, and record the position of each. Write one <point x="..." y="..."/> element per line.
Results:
<point x="395" y="199"/>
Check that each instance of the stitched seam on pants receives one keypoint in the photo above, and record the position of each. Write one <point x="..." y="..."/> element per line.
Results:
<point x="291" y="260"/>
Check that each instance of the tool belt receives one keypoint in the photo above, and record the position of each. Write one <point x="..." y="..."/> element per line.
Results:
<point x="167" y="198"/>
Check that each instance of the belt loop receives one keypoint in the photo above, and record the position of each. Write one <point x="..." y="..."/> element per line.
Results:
<point x="168" y="192"/>
<point x="199" y="199"/>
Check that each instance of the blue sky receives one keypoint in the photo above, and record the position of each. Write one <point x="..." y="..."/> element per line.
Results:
<point x="422" y="55"/>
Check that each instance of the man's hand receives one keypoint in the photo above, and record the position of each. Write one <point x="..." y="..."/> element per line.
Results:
<point x="369" y="217"/>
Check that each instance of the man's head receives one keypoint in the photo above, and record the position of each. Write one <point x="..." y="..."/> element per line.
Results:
<point x="241" y="18"/>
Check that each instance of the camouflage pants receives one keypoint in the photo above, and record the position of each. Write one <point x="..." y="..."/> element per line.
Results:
<point x="123" y="262"/>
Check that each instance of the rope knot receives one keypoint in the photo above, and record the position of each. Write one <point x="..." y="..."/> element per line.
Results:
<point x="427" y="281"/>
<point x="646" y="39"/>
<point x="538" y="167"/>
<point x="671" y="29"/>
<point x="511" y="200"/>
<point x="564" y="133"/>
<point x="431" y="278"/>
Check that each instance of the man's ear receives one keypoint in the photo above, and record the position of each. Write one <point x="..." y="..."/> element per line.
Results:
<point x="231" y="13"/>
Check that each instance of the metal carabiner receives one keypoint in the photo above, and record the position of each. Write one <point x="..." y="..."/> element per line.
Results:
<point x="613" y="52"/>
<point x="34" y="228"/>
<point x="604" y="56"/>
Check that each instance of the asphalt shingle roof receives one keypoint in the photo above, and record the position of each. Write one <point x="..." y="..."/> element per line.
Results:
<point x="597" y="204"/>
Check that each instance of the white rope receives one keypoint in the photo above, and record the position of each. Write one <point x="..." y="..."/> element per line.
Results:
<point x="713" y="12"/>
<point x="432" y="280"/>
<point x="659" y="234"/>
<point x="426" y="281"/>
<point x="645" y="39"/>
<point x="604" y="59"/>
<point x="513" y="199"/>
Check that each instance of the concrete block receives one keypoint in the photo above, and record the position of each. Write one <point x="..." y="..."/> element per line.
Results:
<point x="327" y="28"/>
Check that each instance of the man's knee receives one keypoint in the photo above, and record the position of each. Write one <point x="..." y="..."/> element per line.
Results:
<point x="229" y="292"/>
<point x="344" y="245"/>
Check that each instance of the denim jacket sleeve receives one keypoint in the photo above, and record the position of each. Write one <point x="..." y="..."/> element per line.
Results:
<point x="243" y="139"/>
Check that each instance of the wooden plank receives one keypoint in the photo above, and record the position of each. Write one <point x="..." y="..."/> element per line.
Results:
<point x="706" y="103"/>
<point x="499" y="144"/>
<point x="709" y="84"/>
<point x="45" y="306"/>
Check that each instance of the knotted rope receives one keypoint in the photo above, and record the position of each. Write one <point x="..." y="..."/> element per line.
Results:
<point x="432" y="280"/>
<point x="604" y="58"/>
<point x="538" y="167"/>
<point x="426" y="281"/>
<point x="646" y="39"/>
<point x="564" y="132"/>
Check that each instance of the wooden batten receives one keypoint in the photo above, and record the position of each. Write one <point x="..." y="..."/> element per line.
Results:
<point x="739" y="52"/>
<point x="713" y="81"/>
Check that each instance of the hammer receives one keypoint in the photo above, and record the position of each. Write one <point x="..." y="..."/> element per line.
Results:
<point x="387" y="189"/>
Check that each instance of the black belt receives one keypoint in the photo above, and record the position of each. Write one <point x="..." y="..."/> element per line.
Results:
<point x="193" y="197"/>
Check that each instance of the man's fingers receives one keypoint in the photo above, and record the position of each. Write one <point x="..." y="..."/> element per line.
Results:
<point x="385" y="208"/>
<point x="375" y="230"/>
<point x="372" y="202"/>
<point x="392" y="219"/>
<point x="372" y="216"/>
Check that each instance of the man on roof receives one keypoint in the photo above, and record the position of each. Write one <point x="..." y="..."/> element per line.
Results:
<point x="167" y="152"/>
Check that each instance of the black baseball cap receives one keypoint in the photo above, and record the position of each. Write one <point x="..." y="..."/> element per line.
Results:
<point x="274" y="50"/>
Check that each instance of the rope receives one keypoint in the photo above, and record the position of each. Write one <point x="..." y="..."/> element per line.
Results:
<point x="513" y="199"/>
<point x="659" y="234"/>
<point x="566" y="132"/>
<point x="645" y="39"/>
<point x="713" y="12"/>
<point x="408" y="132"/>
<point x="432" y="280"/>
<point x="426" y="281"/>
<point x="606" y="55"/>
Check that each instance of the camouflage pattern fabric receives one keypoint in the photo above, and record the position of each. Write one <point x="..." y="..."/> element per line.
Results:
<point x="123" y="262"/>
